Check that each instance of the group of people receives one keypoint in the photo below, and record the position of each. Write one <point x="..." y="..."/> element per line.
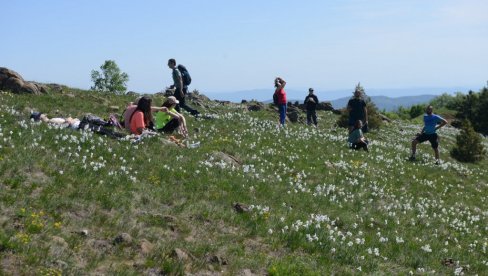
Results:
<point x="358" y="119"/>
<point x="138" y="117"/>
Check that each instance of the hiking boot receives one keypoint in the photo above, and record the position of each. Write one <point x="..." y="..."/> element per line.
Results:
<point x="438" y="162"/>
<point x="412" y="158"/>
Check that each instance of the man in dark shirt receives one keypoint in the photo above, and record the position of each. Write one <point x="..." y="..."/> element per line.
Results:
<point x="311" y="102"/>
<point x="180" y="89"/>
<point x="357" y="110"/>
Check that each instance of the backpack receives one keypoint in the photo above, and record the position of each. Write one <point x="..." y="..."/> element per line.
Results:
<point x="275" y="99"/>
<point x="185" y="76"/>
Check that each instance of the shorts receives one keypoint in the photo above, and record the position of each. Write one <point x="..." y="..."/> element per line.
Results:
<point x="433" y="139"/>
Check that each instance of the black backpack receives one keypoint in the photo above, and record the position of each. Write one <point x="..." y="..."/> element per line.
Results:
<point x="185" y="76"/>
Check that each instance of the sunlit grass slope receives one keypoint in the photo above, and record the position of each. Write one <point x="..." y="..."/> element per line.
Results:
<point x="74" y="202"/>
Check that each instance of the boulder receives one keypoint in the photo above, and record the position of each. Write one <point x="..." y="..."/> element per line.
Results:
<point x="384" y="118"/>
<point x="179" y="254"/>
<point x="293" y="113"/>
<point x="146" y="247"/>
<point x="326" y="106"/>
<point x="226" y="158"/>
<point x="255" y="106"/>
<point x="123" y="238"/>
<point x="12" y="81"/>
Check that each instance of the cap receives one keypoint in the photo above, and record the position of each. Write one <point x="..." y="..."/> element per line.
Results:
<point x="172" y="99"/>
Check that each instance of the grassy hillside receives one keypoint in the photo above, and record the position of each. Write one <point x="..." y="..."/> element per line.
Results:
<point x="74" y="202"/>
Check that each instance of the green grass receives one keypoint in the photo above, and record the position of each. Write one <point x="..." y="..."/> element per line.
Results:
<point x="316" y="207"/>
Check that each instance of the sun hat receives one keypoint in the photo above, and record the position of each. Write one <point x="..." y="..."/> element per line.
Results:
<point x="172" y="99"/>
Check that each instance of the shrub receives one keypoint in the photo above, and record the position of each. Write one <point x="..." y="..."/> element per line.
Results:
<point x="110" y="79"/>
<point x="468" y="146"/>
<point x="416" y="110"/>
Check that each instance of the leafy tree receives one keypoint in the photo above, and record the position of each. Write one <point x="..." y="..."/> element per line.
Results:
<point x="110" y="79"/>
<point x="447" y="101"/>
<point x="468" y="146"/>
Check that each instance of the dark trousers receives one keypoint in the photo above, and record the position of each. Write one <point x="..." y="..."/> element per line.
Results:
<point x="311" y="116"/>
<point x="182" y="104"/>
<point x="170" y="126"/>
<point x="360" y="145"/>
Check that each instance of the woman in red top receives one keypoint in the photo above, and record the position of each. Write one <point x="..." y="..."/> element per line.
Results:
<point x="280" y="92"/>
<point x="141" y="117"/>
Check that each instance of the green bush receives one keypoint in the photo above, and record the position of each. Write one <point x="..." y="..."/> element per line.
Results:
<point x="468" y="146"/>
<point x="416" y="110"/>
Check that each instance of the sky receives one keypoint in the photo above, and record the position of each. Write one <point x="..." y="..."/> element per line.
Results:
<point x="242" y="45"/>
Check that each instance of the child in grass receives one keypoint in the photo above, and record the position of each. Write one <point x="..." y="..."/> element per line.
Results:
<point x="356" y="137"/>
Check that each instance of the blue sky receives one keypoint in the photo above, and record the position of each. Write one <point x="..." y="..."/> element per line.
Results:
<point x="241" y="45"/>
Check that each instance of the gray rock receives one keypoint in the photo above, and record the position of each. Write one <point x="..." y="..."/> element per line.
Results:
<point x="255" y="106"/>
<point x="180" y="255"/>
<point x="240" y="208"/>
<point x="123" y="238"/>
<point x="146" y="247"/>
<point x="226" y="158"/>
<point x="215" y="259"/>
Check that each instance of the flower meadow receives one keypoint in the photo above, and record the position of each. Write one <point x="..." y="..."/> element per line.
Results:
<point x="313" y="207"/>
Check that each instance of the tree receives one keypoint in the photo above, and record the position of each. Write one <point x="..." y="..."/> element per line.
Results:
<point x="416" y="110"/>
<point x="468" y="146"/>
<point x="110" y="79"/>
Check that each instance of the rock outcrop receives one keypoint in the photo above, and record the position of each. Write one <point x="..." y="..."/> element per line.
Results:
<point x="13" y="81"/>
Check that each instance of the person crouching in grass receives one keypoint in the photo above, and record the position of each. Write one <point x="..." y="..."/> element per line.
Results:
<point x="356" y="137"/>
<point x="168" y="120"/>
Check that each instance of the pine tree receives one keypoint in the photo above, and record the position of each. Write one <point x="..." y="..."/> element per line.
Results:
<point x="468" y="145"/>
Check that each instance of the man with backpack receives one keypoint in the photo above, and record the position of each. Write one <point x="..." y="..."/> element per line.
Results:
<point x="181" y="79"/>
<point x="311" y="102"/>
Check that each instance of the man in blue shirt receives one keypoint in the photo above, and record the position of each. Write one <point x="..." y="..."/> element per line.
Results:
<point x="432" y="122"/>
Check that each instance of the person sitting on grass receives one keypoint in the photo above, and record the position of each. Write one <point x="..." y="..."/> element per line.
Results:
<point x="356" y="137"/>
<point x="142" y="117"/>
<point x="130" y="109"/>
<point x="169" y="120"/>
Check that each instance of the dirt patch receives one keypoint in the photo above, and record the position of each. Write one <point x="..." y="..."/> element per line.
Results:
<point x="37" y="176"/>
<point x="10" y="264"/>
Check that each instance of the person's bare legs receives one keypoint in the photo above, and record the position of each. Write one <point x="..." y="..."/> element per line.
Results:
<point x="414" y="148"/>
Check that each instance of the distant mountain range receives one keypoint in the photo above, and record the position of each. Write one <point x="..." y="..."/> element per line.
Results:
<point x="388" y="99"/>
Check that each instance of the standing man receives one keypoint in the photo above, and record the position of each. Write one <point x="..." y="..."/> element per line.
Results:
<point x="357" y="110"/>
<point x="180" y="89"/>
<point x="311" y="102"/>
<point x="432" y="122"/>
